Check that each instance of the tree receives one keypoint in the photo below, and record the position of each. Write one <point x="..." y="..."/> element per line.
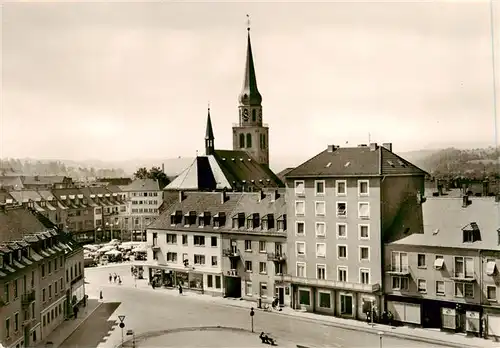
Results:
<point x="154" y="173"/>
<point x="141" y="173"/>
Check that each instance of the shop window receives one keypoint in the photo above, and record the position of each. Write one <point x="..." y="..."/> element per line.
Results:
<point x="325" y="300"/>
<point x="305" y="297"/>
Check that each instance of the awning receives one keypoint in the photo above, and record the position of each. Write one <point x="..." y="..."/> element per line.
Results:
<point x="35" y="256"/>
<point x="26" y="260"/>
<point x="38" y="208"/>
<point x="491" y="267"/>
<point x="18" y="264"/>
<point x="44" y="254"/>
<point x="438" y="263"/>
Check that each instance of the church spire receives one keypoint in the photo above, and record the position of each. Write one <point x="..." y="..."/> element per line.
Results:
<point x="250" y="94"/>
<point x="209" y="136"/>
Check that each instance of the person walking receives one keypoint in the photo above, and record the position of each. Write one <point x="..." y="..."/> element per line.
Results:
<point x="180" y="289"/>
<point x="114" y="277"/>
<point x="119" y="280"/>
<point x="110" y="277"/>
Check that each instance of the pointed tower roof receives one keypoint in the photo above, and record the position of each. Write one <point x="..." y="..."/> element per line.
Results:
<point x="210" y="131"/>
<point x="250" y="94"/>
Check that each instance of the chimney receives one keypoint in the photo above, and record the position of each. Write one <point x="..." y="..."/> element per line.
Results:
<point x="223" y="197"/>
<point x="388" y="146"/>
<point x="181" y="196"/>
<point x="373" y="146"/>
<point x="331" y="148"/>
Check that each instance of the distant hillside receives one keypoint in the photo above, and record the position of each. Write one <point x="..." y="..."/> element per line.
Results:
<point x="474" y="163"/>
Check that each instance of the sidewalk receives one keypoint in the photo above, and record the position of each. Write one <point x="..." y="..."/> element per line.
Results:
<point x="67" y="327"/>
<point x="417" y="334"/>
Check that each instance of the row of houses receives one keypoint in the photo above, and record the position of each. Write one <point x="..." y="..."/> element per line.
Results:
<point x="41" y="276"/>
<point x="352" y="231"/>
<point x="92" y="213"/>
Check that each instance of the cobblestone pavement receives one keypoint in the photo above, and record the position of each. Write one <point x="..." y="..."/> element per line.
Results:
<point x="147" y="310"/>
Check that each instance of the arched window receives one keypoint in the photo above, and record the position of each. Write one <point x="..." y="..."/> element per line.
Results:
<point x="249" y="140"/>
<point x="242" y="141"/>
<point x="254" y="115"/>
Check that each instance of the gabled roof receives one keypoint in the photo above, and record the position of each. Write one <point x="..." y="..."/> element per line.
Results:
<point x="13" y="182"/>
<point x="281" y="175"/>
<point x="241" y="170"/>
<point x="18" y="221"/>
<point x="373" y="160"/>
<point x="142" y="185"/>
<point x="204" y="173"/>
<point x="24" y="196"/>
<point x="43" y="179"/>
<point x="445" y="218"/>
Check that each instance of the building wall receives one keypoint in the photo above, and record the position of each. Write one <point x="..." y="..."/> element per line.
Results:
<point x="490" y="280"/>
<point x="432" y="275"/>
<point x="255" y="256"/>
<point x="51" y="271"/>
<point x="352" y="221"/>
<point x="400" y="209"/>
<point x="142" y="209"/>
<point x="190" y="250"/>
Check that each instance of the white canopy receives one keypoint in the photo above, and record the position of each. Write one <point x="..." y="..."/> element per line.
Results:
<point x="91" y="247"/>
<point x="113" y="252"/>
<point x="106" y="248"/>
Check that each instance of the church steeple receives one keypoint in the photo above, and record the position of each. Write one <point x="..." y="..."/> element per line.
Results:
<point x="209" y="136"/>
<point x="250" y="134"/>
<point x="250" y="95"/>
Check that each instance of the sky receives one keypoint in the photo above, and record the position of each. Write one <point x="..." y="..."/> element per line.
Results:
<point x="118" y="81"/>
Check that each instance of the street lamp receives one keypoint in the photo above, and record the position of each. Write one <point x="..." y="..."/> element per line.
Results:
<point x="380" y="334"/>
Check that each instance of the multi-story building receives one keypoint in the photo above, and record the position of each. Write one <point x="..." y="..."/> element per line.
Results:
<point x="80" y="215"/>
<point x="144" y="198"/>
<point x="32" y="264"/>
<point x="342" y="204"/>
<point x="254" y="248"/>
<point x="246" y="166"/>
<point x="445" y="276"/>
<point x="221" y="243"/>
<point x="109" y="209"/>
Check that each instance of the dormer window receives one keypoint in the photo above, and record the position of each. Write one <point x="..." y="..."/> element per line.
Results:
<point x="281" y="223"/>
<point x="1" y="261"/>
<point x="267" y="222"/>
<point x="206" y="218"/>
<point x="19" y="255"/>
<point x="190" y="219"/>
<point x="239" y="220"/>
<point x="471" y="233"/>
<point x="219" y="220"/>
<point x="255" y="220"/>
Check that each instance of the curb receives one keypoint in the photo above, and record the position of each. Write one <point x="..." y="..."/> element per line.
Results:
<point x="386" y="332"/>
<point x="76" y="327"/>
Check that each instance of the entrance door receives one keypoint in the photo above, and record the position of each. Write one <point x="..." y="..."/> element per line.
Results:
<point x="346" y="304"/>
<point x="281" y="296"/>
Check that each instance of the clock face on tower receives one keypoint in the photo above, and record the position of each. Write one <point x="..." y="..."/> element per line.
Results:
<point x="245" y="115"/>
<point x="260" y="116"/>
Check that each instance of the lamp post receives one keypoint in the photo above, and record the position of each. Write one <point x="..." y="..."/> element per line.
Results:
<point x="380" y="334"/>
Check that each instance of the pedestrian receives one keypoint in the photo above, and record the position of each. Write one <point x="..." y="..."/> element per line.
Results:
<point x="75" y="311"/>
<point x="114" y="277"/>
<point x="119" y="280"/>
<point x="100" y="295"/>
<point x="180" y="289"/>
<point x="132" y="270"/>
<point x="110" y="277"/>
<point x="85" y="300"/>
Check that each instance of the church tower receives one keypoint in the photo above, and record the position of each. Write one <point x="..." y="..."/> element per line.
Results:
<point x="209" y="136"/>
<point x="251" y="135"/>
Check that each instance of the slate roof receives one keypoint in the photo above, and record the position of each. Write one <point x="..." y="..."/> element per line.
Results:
<point x="355" y="161"/>
<point x="13" y="182"/>
<point x="24" y="196"/>
<point x="18" y="221"/>
<point x="447" y="217"/>
<point x="142" y="185"/>
<point x="236" y="202"/>
<point x="226" y="169"/>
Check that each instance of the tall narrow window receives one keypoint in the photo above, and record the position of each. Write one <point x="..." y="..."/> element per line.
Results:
<point x="249" y="140"/>
<point x="242" y="140"/>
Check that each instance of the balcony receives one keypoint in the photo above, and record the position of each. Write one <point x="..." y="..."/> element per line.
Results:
<point x="231" y="253"/>
<point x="323" y="283"/>
<point x="232" y="273"/>
<point x="276" y="257"/>
<point x="27" y="298"/>
<point x="399" y="270"/>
